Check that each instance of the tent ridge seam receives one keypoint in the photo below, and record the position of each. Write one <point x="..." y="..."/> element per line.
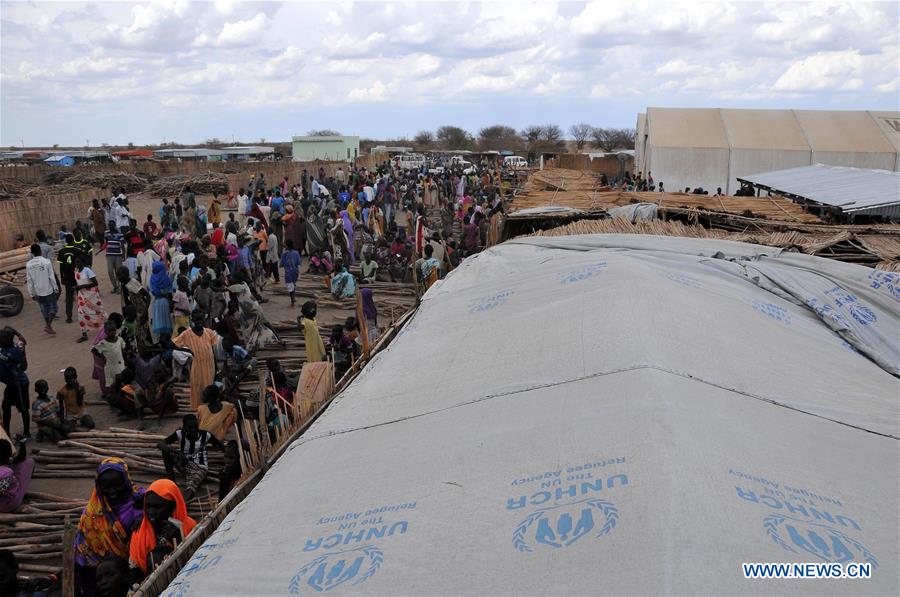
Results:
<point x="626" y="369"/>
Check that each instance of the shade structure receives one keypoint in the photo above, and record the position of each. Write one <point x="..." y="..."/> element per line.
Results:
<point x="600" y="414"/>
<point x="852" y="190"/>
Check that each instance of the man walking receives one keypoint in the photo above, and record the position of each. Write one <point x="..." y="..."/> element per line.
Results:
<point x="67" y="258"/>
<point x="42" y="285"/>
<point x="115" y="242"/>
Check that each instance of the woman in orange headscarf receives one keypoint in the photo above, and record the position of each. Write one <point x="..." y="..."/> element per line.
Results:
<point x="166" y="523"/>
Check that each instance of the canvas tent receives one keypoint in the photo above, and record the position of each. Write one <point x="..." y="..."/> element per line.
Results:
<point x="711" y="147"/>
<point x="601" y="414"/>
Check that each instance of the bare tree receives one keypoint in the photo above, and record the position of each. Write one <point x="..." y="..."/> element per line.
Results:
<point x="612" y="139"/>
<point x="424" y="139"/>
<point x="532" y="134"/>
<point x="581" y="132"/>
<point x="324" y="133"/>
<point x="551" y="134"/>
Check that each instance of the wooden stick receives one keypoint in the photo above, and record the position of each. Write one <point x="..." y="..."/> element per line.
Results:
<point x="68" y="579"/>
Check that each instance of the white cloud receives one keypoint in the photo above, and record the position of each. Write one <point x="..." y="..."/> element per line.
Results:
<point x="199" y="61"/>
<point x="377" y="92"/>
<point x="824" y="70"/>
<point x="599" y="91"/>
<point x="242" y="33"/>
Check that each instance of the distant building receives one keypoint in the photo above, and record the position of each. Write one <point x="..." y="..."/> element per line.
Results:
<point x="710" y="148"/>
<point x="196" y="154"/>
<point x="391" y="150"/>
<point x="243" y="153"/>
<point x="338" y="148"/>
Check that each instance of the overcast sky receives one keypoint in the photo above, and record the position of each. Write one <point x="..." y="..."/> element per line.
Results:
<point x="119" y="72"/>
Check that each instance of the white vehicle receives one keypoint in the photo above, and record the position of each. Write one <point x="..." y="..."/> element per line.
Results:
<point x="460" y="162"/>
<point x="410" y="161"/>
<point x="515" y="162"/>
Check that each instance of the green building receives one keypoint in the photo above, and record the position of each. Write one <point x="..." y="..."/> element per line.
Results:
<point x="333" y="148"/>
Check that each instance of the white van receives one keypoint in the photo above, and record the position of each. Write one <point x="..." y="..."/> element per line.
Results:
<point x="410" y="161"/>
<point x="515" y="162"/>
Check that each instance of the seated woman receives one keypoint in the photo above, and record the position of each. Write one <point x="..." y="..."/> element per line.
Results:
<point x="15" y="474"/>
<point x="111" y="515"/>
<point x="165" y="525"/>
<point x="343" y="284"/>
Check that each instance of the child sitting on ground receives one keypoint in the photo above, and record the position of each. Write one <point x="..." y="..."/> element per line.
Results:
<point x="71" y="401"/>
<point x="46" y="414"/>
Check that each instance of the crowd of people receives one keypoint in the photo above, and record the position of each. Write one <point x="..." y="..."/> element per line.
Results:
<point x="190" y="282"/>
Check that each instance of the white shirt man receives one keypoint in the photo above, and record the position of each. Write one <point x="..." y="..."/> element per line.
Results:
<point x="42" y="285"/>
<point x="339" y="176"/>
<point x="121" y="215"/>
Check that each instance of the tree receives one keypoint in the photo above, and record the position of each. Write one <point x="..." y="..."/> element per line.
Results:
<point x="214" y="141"/>
<point x="324" y="133"/>
<point x="545" y="137"/>
<point x="453" y="137"/>
<point x="532" y="134"/>
<point x="612" y="139"/>
<point x="581" y="132"/>
<point x="424" y="139"/>
<point x="498" y="137"/>
<point x="551" y="134"/>
<point x="262" y="139"/>
<point x="130" y="145"/>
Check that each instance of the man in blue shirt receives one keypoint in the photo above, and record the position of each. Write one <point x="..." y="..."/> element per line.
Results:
<point x="13" y="364"/>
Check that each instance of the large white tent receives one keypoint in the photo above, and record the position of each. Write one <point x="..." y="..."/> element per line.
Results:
<point x="601" y="414"/>
<point x="712" y="147"/>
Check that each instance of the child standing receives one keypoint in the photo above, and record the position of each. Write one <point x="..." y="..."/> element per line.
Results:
<point x="112" y="349"/>
<point x="290" y="261"/>
<point x="181" y="305"/>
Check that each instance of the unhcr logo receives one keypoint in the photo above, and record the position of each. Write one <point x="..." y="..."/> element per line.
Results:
<point x="581" y="273"/>
<point x="565" y="525"/>
<point x="488" y="303"/>
<point x="822" y="541"/>
<point x="331" y="570"/>
<point x="568" y="518"/>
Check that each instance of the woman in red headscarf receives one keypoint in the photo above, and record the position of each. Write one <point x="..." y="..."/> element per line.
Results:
<point x="166" y="523"/>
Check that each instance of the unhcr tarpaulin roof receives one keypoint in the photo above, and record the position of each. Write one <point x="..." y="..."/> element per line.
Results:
<point x="602" y="414"/>
<point x="851" y="189"/>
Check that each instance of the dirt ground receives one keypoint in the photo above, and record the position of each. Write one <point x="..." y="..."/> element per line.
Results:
<point x="49" y="355"/>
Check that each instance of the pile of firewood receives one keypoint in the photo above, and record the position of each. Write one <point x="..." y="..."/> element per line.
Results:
<point x="211" y="182"/>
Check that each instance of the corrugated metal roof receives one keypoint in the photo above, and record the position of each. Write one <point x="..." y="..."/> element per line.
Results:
<point x="247" y="149"/>
<point x="851" y="189"/>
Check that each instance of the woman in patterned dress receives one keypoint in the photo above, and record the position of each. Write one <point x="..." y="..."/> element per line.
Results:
<point x="91" y="314"/>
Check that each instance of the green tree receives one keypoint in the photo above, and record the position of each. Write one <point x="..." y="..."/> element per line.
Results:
<point x="497" y="137"/>
<point x="454" y="137"/>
